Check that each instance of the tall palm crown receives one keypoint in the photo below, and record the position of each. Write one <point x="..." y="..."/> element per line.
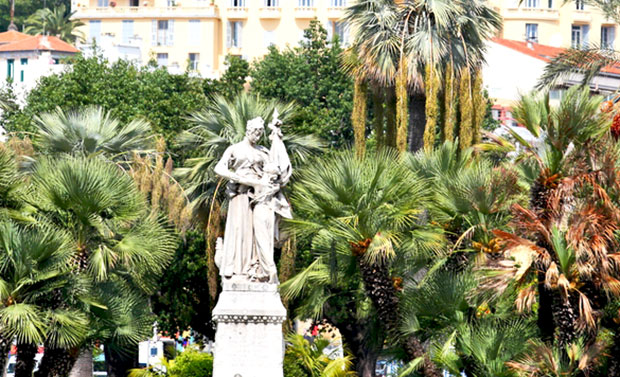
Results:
<point x="421" y="32"/>
<point x="57" y="22"/>
<point x="90" y="131"/>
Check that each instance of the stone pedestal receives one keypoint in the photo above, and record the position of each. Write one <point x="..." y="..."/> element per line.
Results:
<point x="248" y="340"/>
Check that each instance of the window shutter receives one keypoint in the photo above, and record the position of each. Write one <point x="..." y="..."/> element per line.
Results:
<point x="239" y="33"/>
<point x="170" y="33"/>
<point x="229" y="34"/>
<point x="586" y="35"/>
<point x="154" y="33"/>
<point x="330" y="31"/>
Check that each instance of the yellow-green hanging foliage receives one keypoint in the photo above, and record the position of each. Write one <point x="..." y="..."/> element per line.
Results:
<point x="377" y="108"/>
<point x="402" y="112"/>
<point x="431" y="88"/>
<point x="390" y="117"/>
<point x="449" y="96"/>
<point x="466" y="110"/>
<point x="480" y="106"/>
<point x="358" y="118"/>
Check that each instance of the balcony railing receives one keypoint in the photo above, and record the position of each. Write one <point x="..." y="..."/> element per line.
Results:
<point x="335" y="12"/>
<point x="531" y="14"/>
<point x="305" y="12"/>
<point x="145" y="12"/>
<point x="270" y="12"/>
<point x="582" y="16"/>
<point x="237" y="12"/>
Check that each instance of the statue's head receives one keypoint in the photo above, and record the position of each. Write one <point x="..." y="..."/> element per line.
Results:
<point x="254" y="129"/>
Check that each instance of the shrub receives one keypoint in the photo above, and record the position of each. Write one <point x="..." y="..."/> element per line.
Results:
<point x="192" y="363"/>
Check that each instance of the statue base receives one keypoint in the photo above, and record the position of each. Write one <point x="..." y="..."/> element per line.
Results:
<point x="248" y="339"/>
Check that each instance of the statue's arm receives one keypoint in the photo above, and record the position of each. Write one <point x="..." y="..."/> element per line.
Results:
<point x="221" y="169"/>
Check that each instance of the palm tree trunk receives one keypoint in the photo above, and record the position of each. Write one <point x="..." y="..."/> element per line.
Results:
<point x="377" y="108"/>
<point x="449" y="103"/>
<point x="565" y="317"/>
<point x="417" y="121"/>
<point x="431" y="87"/>
<point x="466" y="110"/>
<point x="119" y="363"/>
<point x="25" y="359"/>
<point x="545" y="322"/>
<point x="390" y="117"/>
<point x="358" y="117"/>
<point x="83" y="366"/>
<point x="381" y="291"/>
<point x="402" y="116"/>
<point x="5" y="347"/>
<point x="57" y="362"/>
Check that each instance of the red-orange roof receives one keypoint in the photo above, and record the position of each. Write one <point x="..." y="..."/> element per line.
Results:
<point x="40" y="43"/>
<point x="542" y="52"/>
<point x="12" y="36"/>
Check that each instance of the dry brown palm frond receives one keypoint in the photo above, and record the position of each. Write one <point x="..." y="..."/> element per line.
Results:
<point x="525" y="299"/>
<point x="530" y="223"/>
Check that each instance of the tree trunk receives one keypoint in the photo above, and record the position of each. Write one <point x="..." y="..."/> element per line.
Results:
<point x="358" y="117"/>
<point x="390" y="117"/>
<point x="402" y="96"/>
<point x="377" y="121"/>
<point x="119" y="363"/>
<point x="565" y="318"/>
<point x="212" y="232"/>
<point x="545" y="322"/>
<point x="466" y="111"/>
<point x="5" y="347"/>
<point x="417" y="121"/>
<point x="431" y="87"/>
<point x="381" y="291"/>
<point x="366" y="364"/>
<point x="83" y="366"/>
<point x="479" y="105"/>
<point x="57" y="362"/>
<point x="449" y="105"/>
<point x="25" y="359"/>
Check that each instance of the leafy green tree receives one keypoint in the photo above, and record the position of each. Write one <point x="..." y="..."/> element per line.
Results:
<point x="311" y="76"/>
<point x="192" y="363"/>
<point x="362" y="215"/>
<point x="124" y="90"/>
<point x="25" y="8"/>
<point x="315" y="358"/>
<point x="232" y="81"/>
<point x="57" y="22"/>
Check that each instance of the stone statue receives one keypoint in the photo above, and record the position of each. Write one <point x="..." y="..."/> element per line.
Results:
<point x="256" y="176"/>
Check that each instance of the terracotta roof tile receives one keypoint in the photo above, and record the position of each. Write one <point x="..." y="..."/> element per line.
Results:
<point x="39" y="42"/>
<point x="12" y="36"/>
<point x="542" y="52"/>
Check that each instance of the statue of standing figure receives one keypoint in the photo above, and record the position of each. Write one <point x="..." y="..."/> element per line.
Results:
<point x="256" y="176"/>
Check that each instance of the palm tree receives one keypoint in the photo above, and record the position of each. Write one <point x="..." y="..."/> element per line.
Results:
<point x="220" y="124"/>
<point x="315" y="357"/>
<point x="573" y="264"/>
<point x="395" y="41"/>
<point x="361" y="214"/>
<point x="57" y="22"/>
<point x="105" y="215"/>
<point x="34" y="263"/>
<point x="90" y="131"/>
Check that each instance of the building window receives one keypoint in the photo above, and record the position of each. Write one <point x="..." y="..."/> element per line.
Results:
<point x="579" y="4"/>
<point x="95" y="30"/>
<point x="10" y="68"/>
<point x="103" y="3"/>
<point x="163" y="33"/>
<point x="235" y="30"/>
<point x="305" y="3"/>
<point x="337" y="3"/>
<point x="608" y="35"/>
<point x="532" y="3"/>
<point x="338" y="29"/>
<point x="237" y="3"/>
<point x="531" y="32"/>
<point x="162" y="59"/>
<point x="550" y="4"/>
<point x="134" y="3"/>
<point x="272" y="3"/>
<point x="194" y="58"/>
<point x="195" y="34"/>
<point x="127" y="31"/>
<point x="496" y="113"/>
<point x="579" y="36"/>
<point x="23" y="61"/>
